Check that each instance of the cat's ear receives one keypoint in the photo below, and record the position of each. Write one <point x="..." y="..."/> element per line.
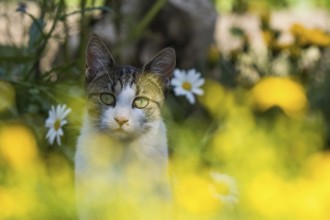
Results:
<point x="163" y="64"/>
<point x="98" y="58"/>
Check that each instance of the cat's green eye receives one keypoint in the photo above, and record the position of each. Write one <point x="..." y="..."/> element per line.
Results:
<point x="140" y="102"/>
<point x="108" y="99"/>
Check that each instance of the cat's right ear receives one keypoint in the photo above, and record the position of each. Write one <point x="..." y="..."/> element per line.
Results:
<point x="162" y="64"/>
<point x="98" y="58"/>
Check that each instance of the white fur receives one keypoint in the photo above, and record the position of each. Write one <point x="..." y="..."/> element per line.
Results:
<point x="106" y="166"/>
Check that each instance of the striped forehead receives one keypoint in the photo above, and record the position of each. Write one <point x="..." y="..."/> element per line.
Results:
<point x="114" y="80"/>
<point x="125" y="76"/>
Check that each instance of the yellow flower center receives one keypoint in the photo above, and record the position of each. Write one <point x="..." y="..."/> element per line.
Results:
<point x="186" y="86"/>
<point x="57" y="124"/>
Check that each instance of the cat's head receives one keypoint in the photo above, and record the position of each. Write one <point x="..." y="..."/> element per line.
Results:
<point x="125" y="101"/>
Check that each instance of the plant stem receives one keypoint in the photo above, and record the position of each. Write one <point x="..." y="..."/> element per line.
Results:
<point x="102" y="8"/>
<point x="31" y="85"/>
<point x="46" y="37"/>
<point x="141" y="26"/>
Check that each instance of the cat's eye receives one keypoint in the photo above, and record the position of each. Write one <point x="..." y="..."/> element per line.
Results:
<point x="140" y="102"/>
<point x="108" y="99"/>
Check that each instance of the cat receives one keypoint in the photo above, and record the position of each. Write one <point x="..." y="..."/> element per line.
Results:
<point x="122" y="155"/>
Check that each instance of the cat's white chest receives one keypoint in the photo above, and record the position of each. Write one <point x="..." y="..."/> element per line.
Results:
<point x="106" y="169"/>
<point x="99" y="152"/>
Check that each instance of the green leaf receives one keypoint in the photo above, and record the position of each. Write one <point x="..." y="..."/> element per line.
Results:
<point x="7" y="96"/>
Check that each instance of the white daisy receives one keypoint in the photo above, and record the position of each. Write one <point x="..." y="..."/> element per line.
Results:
<point x="55" y="122"/>
<point x="187" y="83"/>
<point x="226" y="188"/>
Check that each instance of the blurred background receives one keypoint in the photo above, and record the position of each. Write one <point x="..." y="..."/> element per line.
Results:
<point x="255" y="145"/>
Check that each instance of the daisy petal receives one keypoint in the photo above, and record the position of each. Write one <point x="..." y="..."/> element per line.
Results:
<point x="191" y="72"/>
<point x="193" y="75"/>
<point x="49" y="123"/>
<point x="60" y="132"/>
<point x="58" y="139"/>
<point x="179" y="91"/>
<point x="64" y="122"/>
<point x="179" y="74"/>
<point x="52" y="137"/>
<point x="58" y="110"/>
<point x="60" y="113"/>
<point x="52" y="113"/>
<point x="198" y="91"/>
<point x="65" y="113"/>
<point x="199" y="82"/>
<point x="176" y="82"/>
<point x="49" y="133"/>
<point x="190" y="98"/>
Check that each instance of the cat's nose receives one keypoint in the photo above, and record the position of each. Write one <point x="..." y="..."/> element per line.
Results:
<point x="121" y="120"/>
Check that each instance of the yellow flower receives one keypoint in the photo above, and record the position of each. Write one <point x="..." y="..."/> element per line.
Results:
<point x="7" y="96"/>
<point x="269" y="195"/>
<point x="319" y="165"/>
<point x="272" y="42"/>
<point x="195" y="194"/>
<point x="268" y="37"/>
<point x="313" y="189"/>
<point x="279" y="91"/>
<point x="16" y="203"/>
<point x="307" y="36"/>
<point x="213" y="98"/>
<point x="18" y="146"/>
<point x="304" y="197"/>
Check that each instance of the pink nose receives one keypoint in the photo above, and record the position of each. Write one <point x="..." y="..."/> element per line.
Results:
<point x="121" y="120"/>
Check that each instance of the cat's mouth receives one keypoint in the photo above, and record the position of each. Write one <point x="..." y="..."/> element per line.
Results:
<point x="122" y="134"/>
<point x="121" y="130"/>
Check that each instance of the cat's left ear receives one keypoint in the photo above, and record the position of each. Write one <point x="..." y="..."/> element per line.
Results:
<point x="98" y="58"/>
<point x="163" y="64"/>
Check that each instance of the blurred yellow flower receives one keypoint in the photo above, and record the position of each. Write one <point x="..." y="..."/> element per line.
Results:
<point x="319" y="166"/>
<point x="18" y="146"/>
<point x="268" y="37"/>
<point x="7" y="96"/>
<point x="60" y="173"/>
<point x="315" y="185"/>
<point x="195" y="194"/>
<point x="307" y="36"/>
<point x="279" y="91"/>
<point x="302" y="197"/>
<point x="16" y="203"/>
<point x="269" y="195"/>
<point x="213" y="98"/>
<point x="271" y="41"/>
